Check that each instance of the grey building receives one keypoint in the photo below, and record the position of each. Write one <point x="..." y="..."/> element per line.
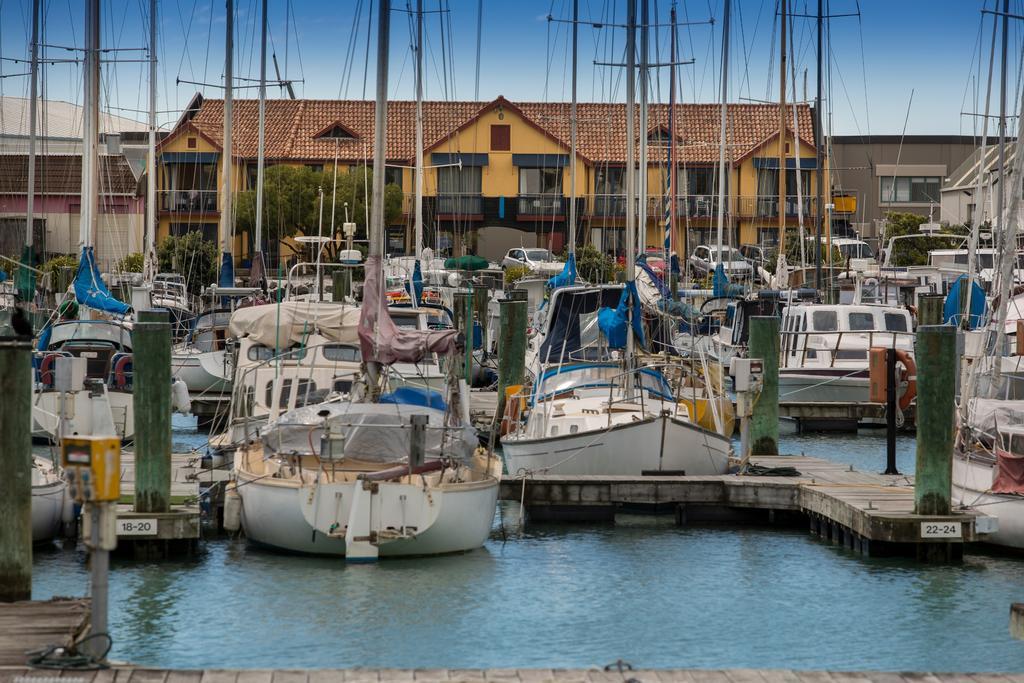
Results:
<point x="872" y="175"/>
<point x="958" y="201"/>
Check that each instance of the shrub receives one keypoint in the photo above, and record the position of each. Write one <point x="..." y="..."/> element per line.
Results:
<point x="132" y="263"/>
<point x="514" y="274"/>
<point x="191" y="256"/>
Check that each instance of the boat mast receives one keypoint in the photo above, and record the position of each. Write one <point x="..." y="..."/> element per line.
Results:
<point x="572" y="130"/>
<point x="723" y="123"/>
<point x="90" y="126"/>
<point x="379" y="139"/>
<point x="261" y="141"/>
<point x="149" y="260"/>
<point x="1002" y="120"/>
<point x="1007" y="245"/>
<point x="418" y="180"/>
<point x="641" y="236"/>
<point x="227" y="268"/>
<point x="670" y="225"/>
<point x="782" y="134"/>
<point x="630" y="160"/>
<point x="819" y="151"/>
<point x="28" y="256"/>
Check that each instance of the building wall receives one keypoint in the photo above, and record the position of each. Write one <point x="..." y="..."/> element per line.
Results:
<point x="860" y="162"/>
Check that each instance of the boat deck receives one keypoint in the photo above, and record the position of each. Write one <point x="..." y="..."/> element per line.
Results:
<point x="867" y="512"/>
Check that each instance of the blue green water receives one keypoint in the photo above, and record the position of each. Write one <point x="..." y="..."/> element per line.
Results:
<point x="641" y="590"/>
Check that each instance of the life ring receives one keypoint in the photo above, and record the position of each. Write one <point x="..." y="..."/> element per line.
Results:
<point x="46" y="367"/>
<point x="908" y="375"/>
<point x="123" y="371"/>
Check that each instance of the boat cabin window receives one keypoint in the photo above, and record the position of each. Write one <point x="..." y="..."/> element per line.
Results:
<point x="258" y="352"/>
<point x="303" y="388"/>
<point x="342" y="352"/>
<point x="406" y="322"/>
<point x="343" y="385"/>
<point x="825" y="321"/>
<point x="861" y="321"/>
<point x="896" y="322"/>
<point x="1012" y="442"/>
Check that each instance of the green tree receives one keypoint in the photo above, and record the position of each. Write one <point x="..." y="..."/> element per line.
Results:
<point x="592" y="264"/>
<point x="914" y="252"/>
<point x="131" y="263"/>
<point x="191" y="256"/>
<point x="291" y="203"/>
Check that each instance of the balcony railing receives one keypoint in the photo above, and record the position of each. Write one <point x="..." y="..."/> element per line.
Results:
<point x="459" y="204"/>
<point x="702" y="206"/>
<point x="188" y="201"/>
<point x="541" y="205"/>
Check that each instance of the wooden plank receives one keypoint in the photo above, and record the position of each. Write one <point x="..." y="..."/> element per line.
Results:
<point x="32" y="625"/>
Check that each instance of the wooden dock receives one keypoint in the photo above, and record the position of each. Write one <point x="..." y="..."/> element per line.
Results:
<point x="870" y="513"/>
<point x="142" y="675"/>
<point x="34" y="624"/>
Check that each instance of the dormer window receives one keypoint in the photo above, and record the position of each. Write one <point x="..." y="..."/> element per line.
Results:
<point x="336" y="131"/>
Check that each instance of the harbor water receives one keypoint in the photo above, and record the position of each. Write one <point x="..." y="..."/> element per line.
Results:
<point x="641" y="590"/>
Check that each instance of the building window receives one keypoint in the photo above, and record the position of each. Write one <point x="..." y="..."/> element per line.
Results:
<point x="454" y="180"/>
<point x="702" y="181"/>
<point x="191" y="143"/>
<point x="540" y="181"/>
<point x="768" y="237"/>
<point x="315" y="168"/>
<point x="501" y="138"/>
<point x="209" y="230"/>
<point x="909" y="189"/>
<point x="393" y="176"/>
<point x="612" y="180"/>
<point x="12" y="236"/>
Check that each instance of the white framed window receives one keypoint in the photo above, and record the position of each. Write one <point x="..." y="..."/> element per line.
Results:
<point x="909" y="189"/>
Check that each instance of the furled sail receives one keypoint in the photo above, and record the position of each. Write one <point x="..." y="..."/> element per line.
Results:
<point x="91" y="291"/>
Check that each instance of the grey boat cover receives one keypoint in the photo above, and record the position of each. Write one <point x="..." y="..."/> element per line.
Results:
<point x="984" y="415"/>
<point x="372" y="432"/>
<point x="282" y="325"/>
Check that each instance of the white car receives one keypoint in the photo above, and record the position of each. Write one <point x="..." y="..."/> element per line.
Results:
<point x="705" y="260"/>
<point x="538" y="260"/>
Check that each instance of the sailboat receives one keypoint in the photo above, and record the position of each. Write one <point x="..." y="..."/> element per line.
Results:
<point x="387" y="475"/>
<point x="988" y="462"/>
<point x="104" y="344"/>
<point x="591" y="409"/>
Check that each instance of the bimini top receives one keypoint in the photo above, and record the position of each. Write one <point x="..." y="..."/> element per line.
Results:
<point x="288" y="323"/>
<point x="572" y="332"/>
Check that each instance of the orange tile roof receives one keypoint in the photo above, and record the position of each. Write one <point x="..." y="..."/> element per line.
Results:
<point x="292" y="127"/>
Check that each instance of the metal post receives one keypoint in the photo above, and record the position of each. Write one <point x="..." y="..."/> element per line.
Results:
<point x="890" y="412"/>
<point x="936" y="384"/>
<point x="929" y="309"/>
<point x="764" y="423"/>
<point x="511" y="346"/>
<point x="99" y="570"/>
<point x="468" y="327"/>
<point x="16" y="465"/>
<point x="461" y="310"/>
<point x="418" y="440"/>
<point x="151" y="341"/>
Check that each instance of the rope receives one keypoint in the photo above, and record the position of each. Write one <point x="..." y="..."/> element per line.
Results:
<point x="765" y="471"/>
<point x="70" y="658"/>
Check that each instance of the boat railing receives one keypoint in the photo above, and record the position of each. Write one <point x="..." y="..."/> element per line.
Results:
<point x="876" y="338"/>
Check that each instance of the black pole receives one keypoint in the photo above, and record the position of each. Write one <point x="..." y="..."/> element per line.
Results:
<point x="890" y="412"/>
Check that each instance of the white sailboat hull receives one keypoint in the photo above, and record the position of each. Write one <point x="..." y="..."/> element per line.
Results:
<point x="203" y="372"/>
<point x="312" y="518"/>
<point x="655" y="443"/>
<point x="972" y="481"/>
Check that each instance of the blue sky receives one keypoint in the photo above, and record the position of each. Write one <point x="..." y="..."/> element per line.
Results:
<point x="930" y="46"/>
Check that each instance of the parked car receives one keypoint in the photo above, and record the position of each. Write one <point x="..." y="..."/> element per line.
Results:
<point x="538" y="260"/>
<point x="705" y="260"/>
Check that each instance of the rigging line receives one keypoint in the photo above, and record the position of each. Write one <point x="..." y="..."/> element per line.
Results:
<point x="350" y="49"/>
<point x="863" y="66"/>
<point x="444" y="52"/>
<point x="366" y="62"/>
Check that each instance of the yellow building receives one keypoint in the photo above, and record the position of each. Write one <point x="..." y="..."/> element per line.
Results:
<point x="498" y="173"/>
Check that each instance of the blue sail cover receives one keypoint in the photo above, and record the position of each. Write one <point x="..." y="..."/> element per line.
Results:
<point x="91" y="291"/>
<point x="415" y="396"/>
<point x="613" y="321"/>
<point x="719" y="281"/>
<point x="568" y="275"/>
<point x="227" y="270"/>
<point x="416" y="285"/>
<point x="952" y="310"/>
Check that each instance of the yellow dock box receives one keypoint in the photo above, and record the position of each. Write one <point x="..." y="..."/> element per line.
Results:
<point x="92" y="465"/>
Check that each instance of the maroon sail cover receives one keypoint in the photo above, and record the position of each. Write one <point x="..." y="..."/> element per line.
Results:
<point x="384" y="342"/>
<point x="1009" y="473"/>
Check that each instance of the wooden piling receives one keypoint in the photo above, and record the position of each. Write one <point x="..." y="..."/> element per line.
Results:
<point x="151" y="343"/>
<point x="511" y="347"/>
<point x="481" y="298"/>
<point x="764" y="424"/>
<point x="16" y="466"/>
<point x="341" y="284"/>
<point x="929" y="309"/>
<point x="936" y="383"/>
<point x="1017" y="620"/>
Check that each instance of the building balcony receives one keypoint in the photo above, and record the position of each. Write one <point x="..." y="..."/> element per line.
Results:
<point x="699" y="207"/>
<point x="766" y="206"/>
<point x="466" y="205"/>
<point x="188" y="201"/>
<point x="534" y="206"/>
